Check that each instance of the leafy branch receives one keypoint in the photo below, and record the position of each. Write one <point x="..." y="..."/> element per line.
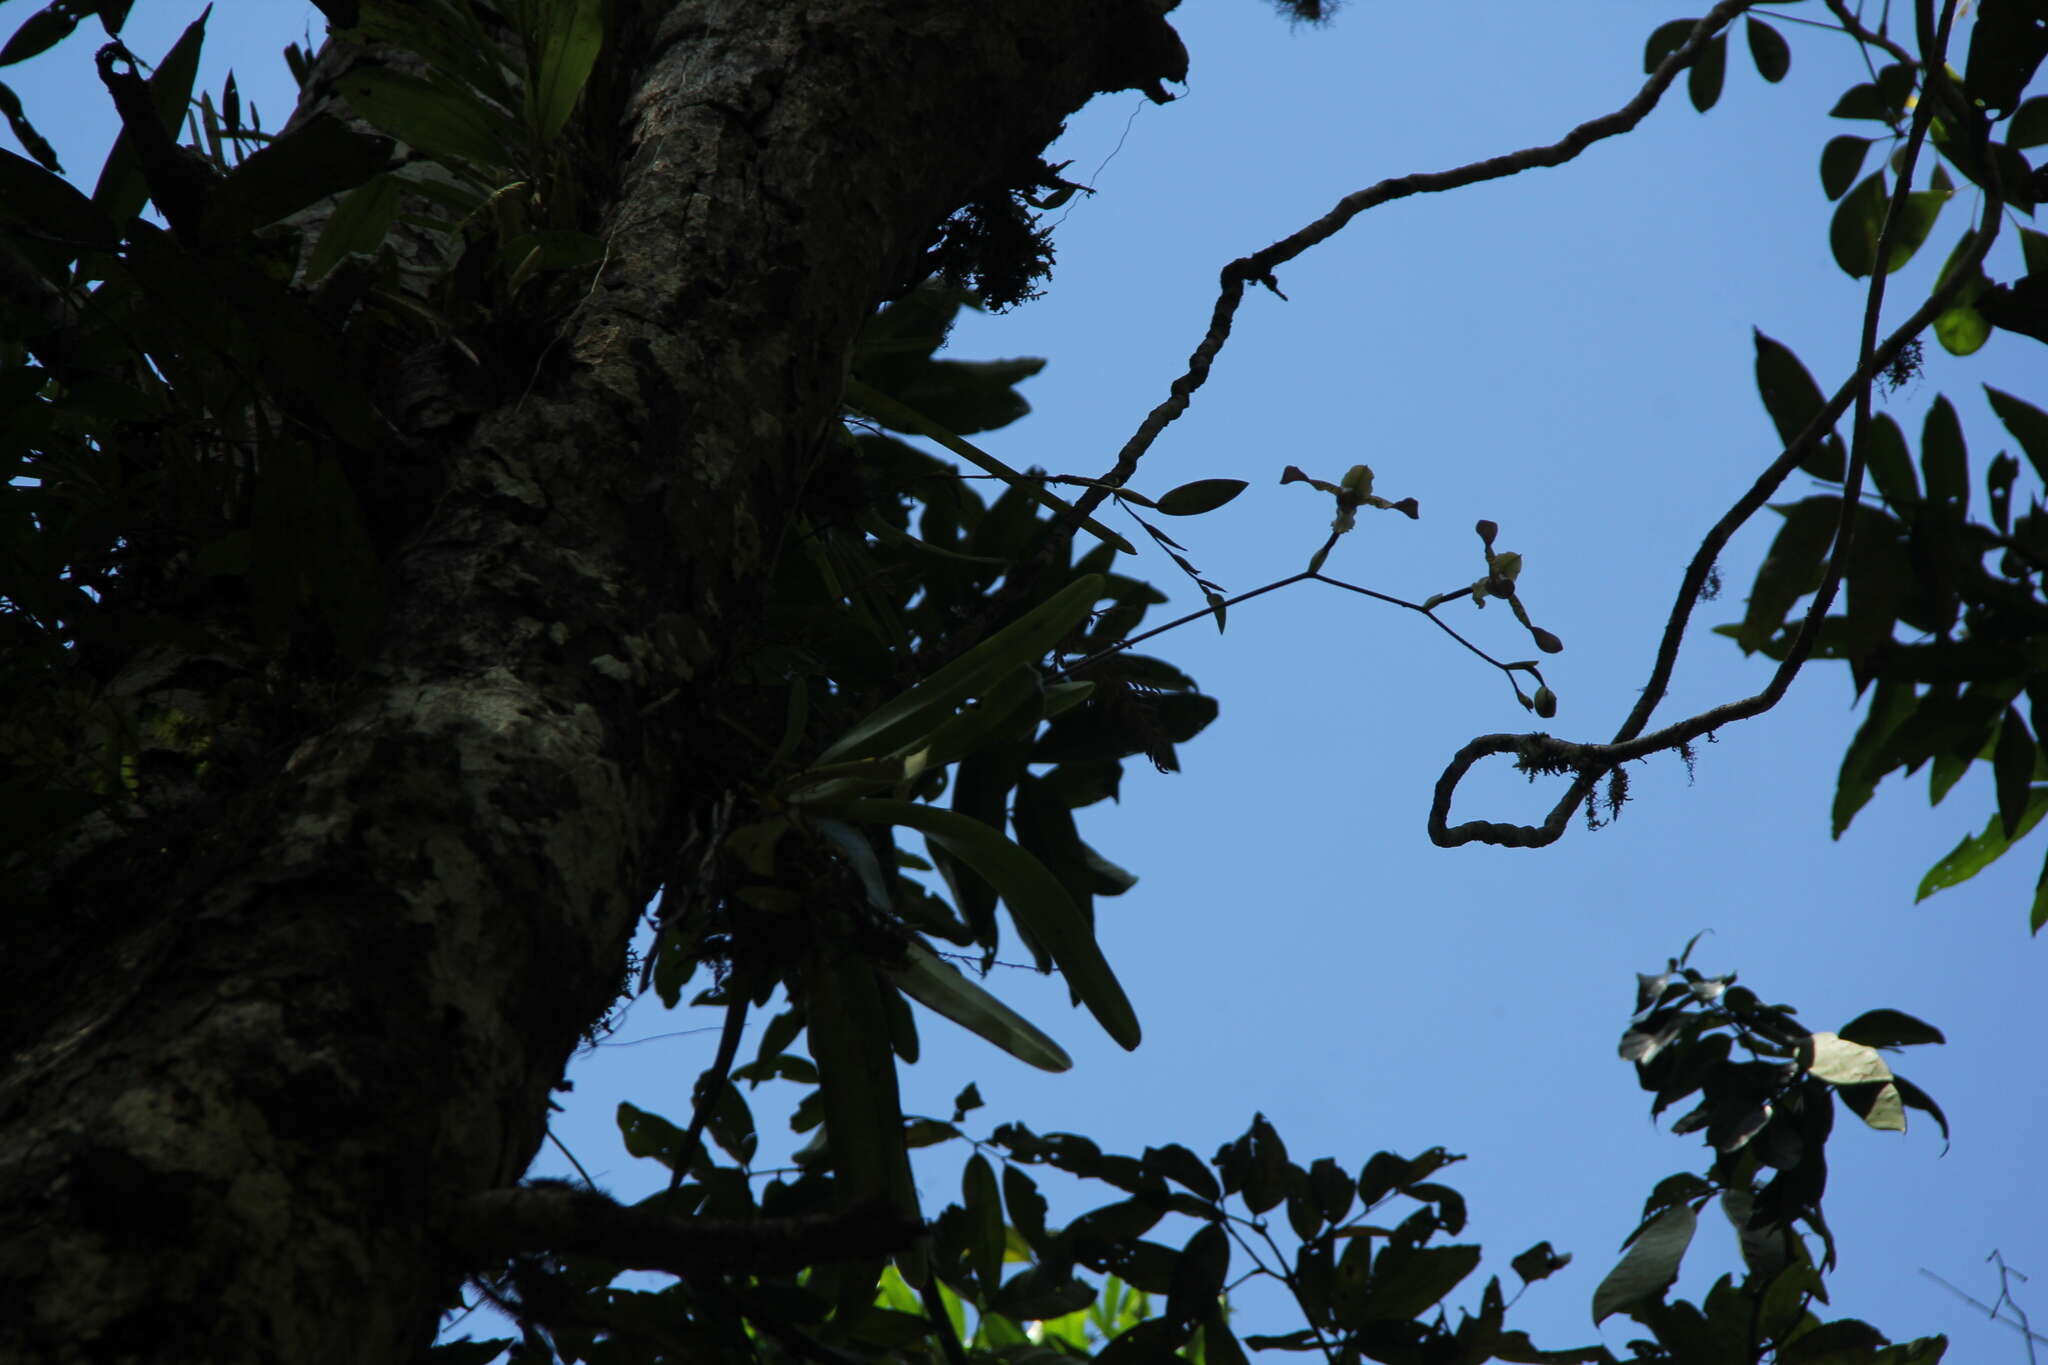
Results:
<point x="1592" y="761"/>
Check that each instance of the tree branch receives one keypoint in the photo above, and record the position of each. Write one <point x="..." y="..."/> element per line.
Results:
<point x="1260" y="265"/>
<point x="1545" y="753"/>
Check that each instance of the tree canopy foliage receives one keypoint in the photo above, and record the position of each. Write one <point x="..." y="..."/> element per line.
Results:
<point x="227" y="426"/>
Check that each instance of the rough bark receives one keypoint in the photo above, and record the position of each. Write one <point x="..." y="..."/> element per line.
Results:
<point x="264" y="1036"/>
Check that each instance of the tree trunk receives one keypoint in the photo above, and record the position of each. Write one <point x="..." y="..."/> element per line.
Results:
<point x="273" y="1021"/>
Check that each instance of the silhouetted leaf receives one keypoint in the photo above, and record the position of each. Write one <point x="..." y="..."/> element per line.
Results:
<point x="1664" y="40"/>
<point x="1203" y="495"/>
<point x="1916" y="1098"/>
<point x="1889" y="1028"/>
<point x="1840" y="160"/>
<point x="1792" y="399"/>
<point x="1408" y="1281"/>
<point x="909" y="717"/>
<point x="1888" y="462"/>
<point x="2012" y="768"/>
<point x="121" y="191"/>
<point x="1539" y="1262"/>
<point x="1650" y="1265"/>
<point x="440" y="119"/>
<point x="2028" y="425"/>
<point x="1791" y="570"/>
<point x="1198" y="1274"/>
<point x="1768" y="50"/>
<point x="1703" y="80"/>
<point x="1944" y="461"/>
<point x="1036" y="899"/>
<point x="1978" y="851"/>
<point x="1858" y="221"/>
<point x="2006" y="44"/>
<point x="941" y="987"/>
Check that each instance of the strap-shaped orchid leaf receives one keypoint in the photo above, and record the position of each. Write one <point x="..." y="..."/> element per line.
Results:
<point x="883" y="408"/>
<point x="910" y="716"/>
<point x="1041" y="906"/>
<point x="942" y="988"/>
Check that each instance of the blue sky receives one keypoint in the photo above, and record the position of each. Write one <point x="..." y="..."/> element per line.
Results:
<point x="1567" y="353"/>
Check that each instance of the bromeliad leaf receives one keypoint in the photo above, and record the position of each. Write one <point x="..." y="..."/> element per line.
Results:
<point x="1041" y="906"/>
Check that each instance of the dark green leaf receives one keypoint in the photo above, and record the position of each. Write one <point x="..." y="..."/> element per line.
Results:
<point x="1408" y="1281"/>
<point x="908" y="718"/>
<point x="1791" y="569"/>
<point x="1650" y="1265"/>
<point x="445" y="122"/>
<point x="41" y="31"/>
<point x="1045" y="829"/>
<point x="1703" y="80"/>
<point x="1539" y="1262"/>
<point x="1840" y="160"/>
<point x="1039" y="1294"/>
<point x="2012" y="768"/>
<point x="1999" y="478"/>
<point x="1386" y="1172"/>
<point x="1768" y="50"/>
<point x="1219" y="1344"/>
<point x="1100" y="1229"/>
<point x="2039" y="915"/>
<point x="984" y="1206"/>
<point x="648" y="1135"/>
<point x="1889" y="1028"/>
<point x="1026" y="1205"/>
<point x="31" y="196"/>
<point x="1890" y="465"/>
<point x="969" y="396"/>
<point x="1858" y="221"/>
<point x="1916" y="1098"/>
<point x="1916" y="219"/>
<point x="1266" y="1179"/>
<point x="1332" y="1189"/>
<point x="1843" y="1340"/>
<point x="2006" y="44"/>
<point x="316" y="159"/>
<point x="1666" y="39"/>
<point x="941" y="987"/>
<point x="2029" y="125"/>
<point x="1203" y="495"/>
<point x="121" y="190"/>
<point x="33" y="142"/>
<point x="1862" y="101"/>
<point x="1176" y="1162"/>
<point x="1944" y="461"/>
<point x="1978" y="851"/>
<point x="1036" y="899"/>
<point x="1198" y="1275"/>
<point x="850" y="1041"/>
<point x="1793" y="399"/>
<point x="2028" y="425"/>
<point x="564" y="40"/>
<point x="1889" y="707"/>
